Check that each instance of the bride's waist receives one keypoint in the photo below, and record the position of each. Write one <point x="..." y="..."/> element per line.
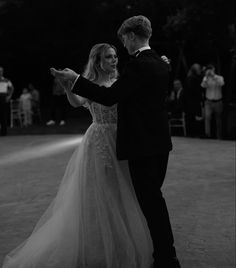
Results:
<point x="102" y="128"/>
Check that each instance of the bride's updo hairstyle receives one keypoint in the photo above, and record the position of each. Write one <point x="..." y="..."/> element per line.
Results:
<point x="93" y="67"/>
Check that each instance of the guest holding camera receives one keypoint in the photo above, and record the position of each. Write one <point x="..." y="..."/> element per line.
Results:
<point x="213" y="100"/>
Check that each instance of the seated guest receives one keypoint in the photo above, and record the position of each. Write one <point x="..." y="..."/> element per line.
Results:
<point x="176" y="99"/>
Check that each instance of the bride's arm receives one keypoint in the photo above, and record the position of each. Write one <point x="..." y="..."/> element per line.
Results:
<point x="74" y="100"/>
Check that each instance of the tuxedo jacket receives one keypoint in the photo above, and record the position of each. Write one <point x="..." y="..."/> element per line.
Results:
<point x="140" y="93"/>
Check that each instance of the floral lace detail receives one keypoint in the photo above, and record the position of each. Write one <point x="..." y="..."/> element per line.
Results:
<point x="102" y="114"/>
<point x="104" y="127"/>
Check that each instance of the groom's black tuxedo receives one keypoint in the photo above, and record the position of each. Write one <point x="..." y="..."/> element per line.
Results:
<point x="142" y="138"/>
<point x="140" y="91"/>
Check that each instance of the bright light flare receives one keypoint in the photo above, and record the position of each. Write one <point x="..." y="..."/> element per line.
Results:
<point x="37" y="151"/>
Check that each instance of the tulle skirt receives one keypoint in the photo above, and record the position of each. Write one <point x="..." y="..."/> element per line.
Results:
<point x="95" y="220"/>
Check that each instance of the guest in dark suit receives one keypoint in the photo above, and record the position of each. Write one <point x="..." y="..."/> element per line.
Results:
<point x="142" y="132"/>
<point x="175" y="100"/>
<point x="193" y="101"/>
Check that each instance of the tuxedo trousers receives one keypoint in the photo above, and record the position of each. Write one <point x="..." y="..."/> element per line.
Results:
<point x="148" y="175"/>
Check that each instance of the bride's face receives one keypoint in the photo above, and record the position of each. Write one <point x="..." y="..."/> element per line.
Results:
<point x="109" y="61"/>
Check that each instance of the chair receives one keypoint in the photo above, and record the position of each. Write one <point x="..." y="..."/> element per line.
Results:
<point x="177" y="122"/>
<point x="15" y="113"/>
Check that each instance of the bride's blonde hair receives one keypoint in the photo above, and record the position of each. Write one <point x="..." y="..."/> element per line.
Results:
<point x="93" y="68"/>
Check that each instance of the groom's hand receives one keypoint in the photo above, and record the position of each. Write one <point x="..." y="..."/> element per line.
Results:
<point x="65" y="74"/>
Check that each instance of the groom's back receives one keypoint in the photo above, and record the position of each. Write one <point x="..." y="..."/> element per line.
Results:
<point x="153" y="75"/>
<point x="143" y="123"/>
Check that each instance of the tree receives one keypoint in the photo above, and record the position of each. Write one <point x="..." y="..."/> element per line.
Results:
<point x="203" y="28"/>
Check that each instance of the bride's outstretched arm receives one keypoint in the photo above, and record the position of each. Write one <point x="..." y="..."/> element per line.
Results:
<point x="74" y="100"/>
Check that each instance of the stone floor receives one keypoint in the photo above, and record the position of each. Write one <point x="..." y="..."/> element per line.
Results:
<point x="199" y="190"/>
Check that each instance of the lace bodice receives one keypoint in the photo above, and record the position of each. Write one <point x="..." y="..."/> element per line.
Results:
<point x="103" y="130"/>
<point x="102" y="133"/>
<point x="102" y="114"/>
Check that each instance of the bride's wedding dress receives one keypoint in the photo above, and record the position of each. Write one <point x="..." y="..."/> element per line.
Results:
<point x="95" y="220"/>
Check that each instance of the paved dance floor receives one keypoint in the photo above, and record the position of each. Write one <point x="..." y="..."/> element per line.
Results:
<point x="199" y="190"/>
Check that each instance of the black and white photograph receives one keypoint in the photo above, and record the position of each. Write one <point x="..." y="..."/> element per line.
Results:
<point x="117" y="133"/>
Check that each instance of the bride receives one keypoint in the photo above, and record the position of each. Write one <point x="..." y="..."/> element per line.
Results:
<point x="95" y="220"/>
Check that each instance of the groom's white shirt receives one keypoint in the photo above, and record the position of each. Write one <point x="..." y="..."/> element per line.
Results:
<point x="141" y="49"/>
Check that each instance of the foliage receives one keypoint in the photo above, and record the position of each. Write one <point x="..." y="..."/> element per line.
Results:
<point x="5" y="5"/>
<point x="204" y="20"/>
<point x="61" y="32"/>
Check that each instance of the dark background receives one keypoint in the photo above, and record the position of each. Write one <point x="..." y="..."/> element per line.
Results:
<point x="36" y="35"/>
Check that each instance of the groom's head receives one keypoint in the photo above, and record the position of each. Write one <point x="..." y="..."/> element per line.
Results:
<point x="135" y="32"/>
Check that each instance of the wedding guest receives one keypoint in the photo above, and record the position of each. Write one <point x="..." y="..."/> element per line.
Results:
<point x="58" y="105"/>
<point x="26" y="107"/>
<point x="193" y="101"/>
<point x="212" y="83"/>
<point x="35" y="101"/>
<point x="6" y="91"/>
<point x="176" y="99"/>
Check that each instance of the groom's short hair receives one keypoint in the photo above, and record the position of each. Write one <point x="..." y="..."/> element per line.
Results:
<point x="139" y="25"/>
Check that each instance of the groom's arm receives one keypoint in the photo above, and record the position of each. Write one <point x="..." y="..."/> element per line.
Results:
<point x="122" y="89"/>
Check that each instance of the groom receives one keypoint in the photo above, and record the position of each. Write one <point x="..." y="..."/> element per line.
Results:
<point x="142" y="128"/>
